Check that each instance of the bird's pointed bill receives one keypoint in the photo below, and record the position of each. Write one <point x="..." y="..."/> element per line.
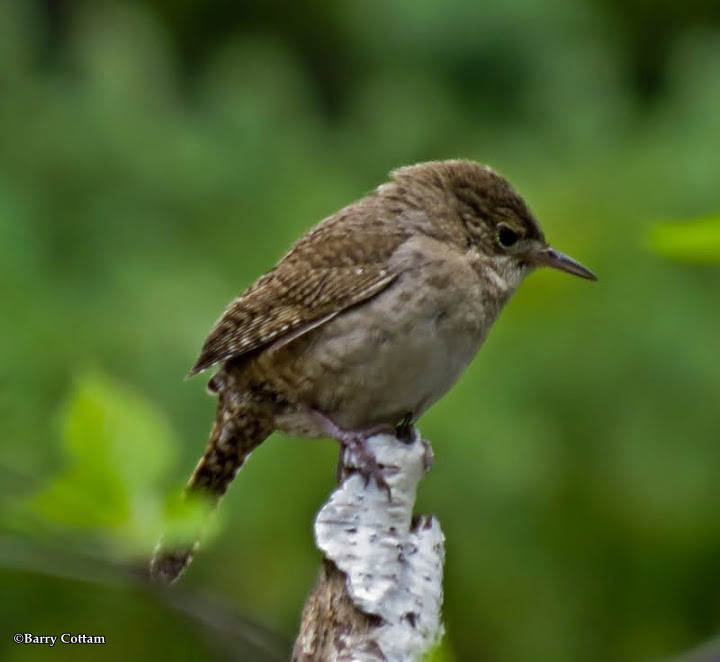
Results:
<point x="549" y="257"/>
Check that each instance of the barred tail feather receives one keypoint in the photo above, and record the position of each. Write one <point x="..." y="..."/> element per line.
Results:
<point x="240" y="426"/>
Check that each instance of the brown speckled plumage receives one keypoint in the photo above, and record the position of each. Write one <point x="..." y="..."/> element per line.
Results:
<point x="243" y="421"/>
<point x="370" y="317"/>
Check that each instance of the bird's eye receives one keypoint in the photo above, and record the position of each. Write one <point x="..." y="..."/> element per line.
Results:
<point x="507" y="236"/>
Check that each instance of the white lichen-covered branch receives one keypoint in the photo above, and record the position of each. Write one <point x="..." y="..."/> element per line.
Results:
<point x="379" y="593"/>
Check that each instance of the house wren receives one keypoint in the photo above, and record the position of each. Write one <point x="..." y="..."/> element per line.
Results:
<point x="368" y="320"/>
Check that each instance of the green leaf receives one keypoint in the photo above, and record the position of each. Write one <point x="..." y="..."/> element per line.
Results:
<point x="117" y="446"/>
<point x="696" y="241"/>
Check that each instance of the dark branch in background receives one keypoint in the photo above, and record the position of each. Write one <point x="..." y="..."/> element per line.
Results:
<point x="234" y="636"/>
<point x="708" y="652"/>
<point x="319" y="37"/>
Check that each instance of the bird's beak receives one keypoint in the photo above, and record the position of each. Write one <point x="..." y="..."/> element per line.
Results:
<point x="549" y="257"/>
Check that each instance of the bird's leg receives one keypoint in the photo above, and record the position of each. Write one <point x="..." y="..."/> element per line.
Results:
<point x="408" y="433"/>
<point x="355" y="442"/>
<point x="405" y="430"/>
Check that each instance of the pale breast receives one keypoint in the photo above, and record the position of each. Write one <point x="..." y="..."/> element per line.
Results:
<point x="397" y="353"/>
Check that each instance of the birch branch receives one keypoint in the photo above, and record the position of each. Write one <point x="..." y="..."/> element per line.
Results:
<point x="379" y="592"/>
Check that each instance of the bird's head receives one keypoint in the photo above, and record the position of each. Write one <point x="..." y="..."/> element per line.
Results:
<point x="494" y="219"/>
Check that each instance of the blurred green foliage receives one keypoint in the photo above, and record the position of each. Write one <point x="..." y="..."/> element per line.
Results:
<point x="156" y="157"/>
<point x="117" y="448"/>
<point x="696" y="241"/>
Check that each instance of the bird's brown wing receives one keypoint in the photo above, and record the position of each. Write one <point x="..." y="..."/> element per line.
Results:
<point x="288" y="301"/>
<point x="339" y="263"/>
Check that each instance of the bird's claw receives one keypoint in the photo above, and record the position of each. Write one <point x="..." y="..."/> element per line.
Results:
<point x="428" y="455"/>
<point x="405" y="430"/>
<point x="358" y="456"/>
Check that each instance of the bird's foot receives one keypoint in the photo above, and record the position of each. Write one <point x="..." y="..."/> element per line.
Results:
<point x="355" y="453"/>
<point x="406" y="431"/>
<point x="428" y="455"/>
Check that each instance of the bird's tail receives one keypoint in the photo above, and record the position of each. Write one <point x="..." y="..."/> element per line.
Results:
<point x="242" y="423"/>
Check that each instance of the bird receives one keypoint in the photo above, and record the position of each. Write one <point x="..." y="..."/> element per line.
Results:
<point x="367" y="321"/>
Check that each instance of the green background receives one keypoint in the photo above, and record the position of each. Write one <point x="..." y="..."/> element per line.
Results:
<point x="156" y="157"/>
